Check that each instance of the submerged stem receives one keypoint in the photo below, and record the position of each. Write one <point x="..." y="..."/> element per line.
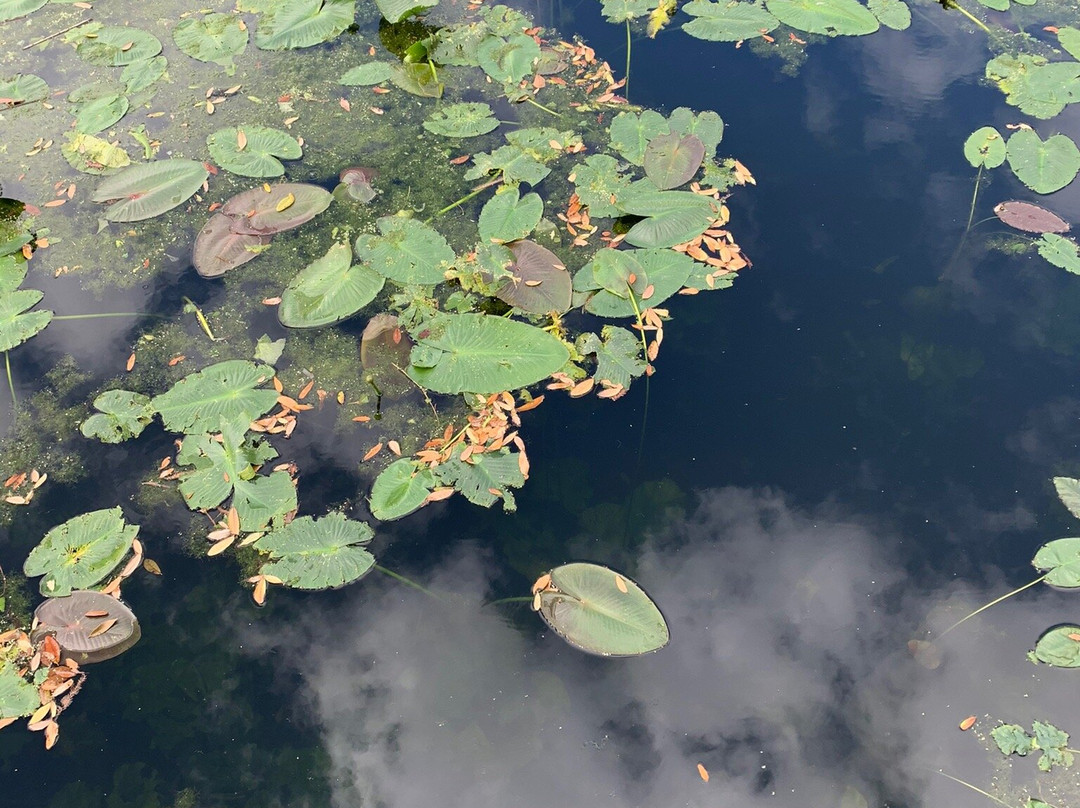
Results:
<point x="101" y="315"/>
<point x="992" y="603"/>
<point x="474" y="192"/>
<point x="406" y="581"/>
<point x="201" y="318"/>
<point x="626" y="87"/>
<point x="971" y="17"/>
<point x="974" y="788"/>
<point x="538" y="105"/>
<point x="974" y="196"/>
<point x="518" y="599"/>
<point x="11" y="383"/>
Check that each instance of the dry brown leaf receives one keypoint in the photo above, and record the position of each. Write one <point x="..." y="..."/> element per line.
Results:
<point x="176" y="360"/>
<point x="97" y="613"/>
<point x="241" y="140"/>
<point x="394" y="447"/>
<point x="151" y="566"/>
<point x="259" y="594"/>
<point x="130" y="362"/>
<point x="221" y="546"/>
<point x="306" y="389"/>
<point x="374" y="450"/>
<point x="620" y="584"/>
<point x="52" y="733"/>
<point x="362" y="419"/>
<point x="102" y="627"/>
<point x="541" y="583"/>
<point x="439" y="494"/>
<point x="344" y="104"/>
<point x="582" y="388"/>
<point x="232" y="521"/>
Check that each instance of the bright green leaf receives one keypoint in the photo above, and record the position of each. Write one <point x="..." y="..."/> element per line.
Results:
<point x="81" y="552"/>
<point x="318" y="553"/>
<point x="328" y="290"/>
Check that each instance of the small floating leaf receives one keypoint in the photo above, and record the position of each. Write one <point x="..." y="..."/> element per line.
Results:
<point x="1030" y="218"/>
<point x="1060" y="560"/>
<point x="22" y="89"/>
<point x="81" y="552"/>
<point x="985" y="147"/>
<point x="121" y="415"/>
<point x="148" y="190"/>
<point x="397" y="10"/>
<point x="968" y="723"/>
<point x="16" y="323"/>
<point x="114" y="45"/>
<point x="1044" y="166"/>
<point x="401" y="488"/>
<point x="253" y="151"/>
<point x="893" y="14"/>
<point x="587" y="609"/>
<point x="1068" y="491"/>
<point x="366" y="75"/>
<point x="462" y="120"/>
<point x="214" y="38"/>
<point x="407" y="251"/>
<point x="1060" y="251"/>
<point x="508" y="216"/>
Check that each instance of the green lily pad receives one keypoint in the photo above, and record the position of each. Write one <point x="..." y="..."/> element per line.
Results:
<point x="266" y="210"/>
<point x="22" y="89"/>
<point x="485" y="478"/>
<point x="985" y="147"/>
<point x="1039" y="88"/>
<point x="401" y="488"/>
<point x="538" y="282"/>
<point x="321" y="553"/>
<point x="508" y="61"/>
<point x="727" y="22"/>
<point x="477" y="353"/>
<point x="1011" y="739"/>
<point x="217" y="466"/>
<point x="707" y="126"/>
<point x="599" y="183"/>
<point x="586" y="606"/>
<point x="100" y="113"/>
<point x="1060" y="251"/>
<point x="462" y="120"/>
<point x="514" y="162"/>
<point x="407" y="252"/>
<point x="225" y="393"/>
<point x="18" y="697"/>
<point x="121" y="415"/>
<point x="1068" y="491"/>
<point x="631" y="132"/>
<point x="618" y="355"/>
<point x="115" y="45"/>
<point x="92" y="155"/>
<point x="262" y="146"/>
<point x="139" y="75"/>
<point x="367" y="75"/>
<point x="1058" y="648"/>
<point x="671" y="217"/>
<point x="263" y="500"/>
<point x="508" y="216"/>
<point x="397" y="10"/>
<point x="666" y="271"/>
<point x="13" y="9"/>
<point x="17" y="325"/>
<point x="1069" y="38"/>
<point x="622" y="10"/>
<point x="290" y="24"/>
<point x="328" y="290"/>
<point x="417" y="79"/>
<point x="893" y="14"/>
<point x="831" y="17"/>
<point x="81" y="552"/>
<point x="1044" y="166"/>
<point x="671" y="161"/>
<point x="148" y="190"/>
<point x="217" y="38"/>
<point x="1060" y="560"/>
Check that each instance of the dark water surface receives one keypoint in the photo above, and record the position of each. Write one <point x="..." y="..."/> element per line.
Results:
<point x="852" y="445"/>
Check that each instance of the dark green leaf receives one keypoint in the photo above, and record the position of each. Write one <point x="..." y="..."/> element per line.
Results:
<point x="328" y="290"/>
<point x="401" y="488"/>
<point x="462" y="120"/>
<point x="217" y="38"/>
<point x="148" y="190"/>
<point x="289" y="24"/>
<point x="215" y="396"/>
<point x="122" y="415"/>
<point x="262" y="146"/>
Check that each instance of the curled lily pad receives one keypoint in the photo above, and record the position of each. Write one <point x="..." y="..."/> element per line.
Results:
<point x="600" y="611"/>
<point x="284" y="206"/>
<point x="1059" y="646"/>
<point x="356" y="181"/>
<point x="148" y="190"/>
<point x="384" y="353"/>
<point x="218" y="249"/>
<point x="540" y="283"/>
<point x="253" y="151"/>
<point x="288" y="24"/>
<point x="81" y="552"/>
<point x="76" y="620"/>
<point x="1030" y="218"/>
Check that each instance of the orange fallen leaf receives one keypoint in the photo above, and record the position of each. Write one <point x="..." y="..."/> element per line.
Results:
<point x="232" y="521"/>
<point x="241" y="140"/>
<point x="102" y="627"/>
<point x="582" y="388"/>
<point x="620" y="584"/>
<point x="459" y="160"/>
<point x="54" y="203"/>
<point x="278" y="385"/>
<point x="344" y="104"/>
<point x="130" y="362"/>
<point x="703" y="773"/>
<point x="271" y="301"/>
<point x="52" y="733"/>
<point x="259" y="595"/>
<point x="221" y="546"/>
<point x="1074" y="637"/>
<point x="151" y="566"/>
<point x="362" y="419"/>
<point x="531" y="405"/>
<point x="176" y="360"/>
<point x="967" y="723"/>
<point x="380" y="90"/>
<point x="439" y="494"/>
<point x="374" y="450"/>
<point x="394" y="447"/>
<point x="97" y="613"/>
<point x="306" y="389"/>
<point x="541" y="583"/>
<point x="376" y="110"/>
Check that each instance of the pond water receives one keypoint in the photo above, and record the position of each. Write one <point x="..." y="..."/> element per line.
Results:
<point x="851" y="448"/>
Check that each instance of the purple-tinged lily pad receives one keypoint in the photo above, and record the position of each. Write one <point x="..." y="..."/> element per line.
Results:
<point x="671" y="160"/>
<point x="73" y="619"/>
<point x="286" y="205"/>
<point x="1030" y="218"/>
<point x="218" y="249"/>
<point x="357" y="182"/>
<point x="540" y="283"/>
<point x="384" y="348"/>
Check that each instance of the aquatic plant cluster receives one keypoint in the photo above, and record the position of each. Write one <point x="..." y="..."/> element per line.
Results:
<point x="574" y="207"/>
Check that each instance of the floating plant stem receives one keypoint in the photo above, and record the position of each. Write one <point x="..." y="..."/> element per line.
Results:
<point x="626" y="89"/>
<point x="518" y="599"/>
<point x="966" y="13"/>
<point x="473" y="193"/>
<point x="10" y="381"/>
<point x="538" y="105"/>
<point x="201" y="318"/>
<point x="103" y="315"/>
<point x="974" y="196"/>
<point x="974" y="788"/>
<point x="402" y="579"/>
<point x="991" y="603"/>
<point x="645" y="349"/>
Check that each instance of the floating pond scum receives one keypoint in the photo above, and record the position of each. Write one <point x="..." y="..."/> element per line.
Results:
<point x="391" y="230"/>
<point x="505" y="186"/>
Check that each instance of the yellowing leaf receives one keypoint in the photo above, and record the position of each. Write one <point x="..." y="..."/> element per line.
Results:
<point x="102" y="627"/>
<point x="241" y="140"/>
<point x="285" y="202"/>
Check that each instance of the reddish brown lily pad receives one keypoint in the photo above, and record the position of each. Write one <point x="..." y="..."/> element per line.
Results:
<point x="540" y="283"/>
<point x="218" y="249"/>
<point x="384" y="348"/>
<point x="286" y="205"/>
<point x="1030" y="218"/>
<point x="82" y="637"/>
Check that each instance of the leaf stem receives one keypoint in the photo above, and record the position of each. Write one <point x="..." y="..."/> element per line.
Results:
<point x="402" y="579"/>
<point x="99" y="316"/>
<point x="974" y="196"/>
<point x="640" y="322"/>
<point x="10" y="381"/>
<point x="991" y="603"/>
<point x="970" y="16"/>
<point x="974" y="788"/>
<point x="538" y="105"/>
<point x="626" y="87"/>
<point x="474" y="192"/>
<point x="500" y="601"/>
<point x="201" y="318"/>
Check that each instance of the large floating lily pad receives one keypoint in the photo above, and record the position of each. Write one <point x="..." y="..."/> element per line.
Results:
<point x="217" y="38"/>
<point x="79" y="635"/>
<point x="539" y="283"/>
<point x="401" y="488"/>
<point x="121" y="415"/>
<point x="287" y="24"/>
<point x="508" y="216"/>
<point x="81" y="552"/>
<point x="602" y="612"/>
<point x="253" y="151"/>
<point x="1030" y="218"/>
<point x="671" y="217"/>
<point x="727" y="22"/>
<point x="13" y="9"/>
<point x="284" y="206"/>
<point x="1060" y="560"/>
<point x="218" y="249"/>
<point x="18" y="697"/>
<point x="1039" y="88"/>
<point x="116" y="45"/>
<point x="148" y="190"/>
<point x="407" y="251"/>
<point x="1060" y="646"/>
<point x="225" y="393"/>
<point x="318" y="553"/>
<point x="477" y="353"/>
<point x="96" y="114"/>
<point x="831" y="17"/>
<point x="328" y="290"/>
<point x="397" y="10"/>
<point x="1044" y="166"/>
